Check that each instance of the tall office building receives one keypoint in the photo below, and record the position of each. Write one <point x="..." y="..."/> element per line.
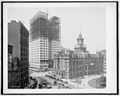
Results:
<point x="18" y="60"/>
<point x="39" y="41"/>
<point x="44" y="41"/>
<point x="54" y="38"/>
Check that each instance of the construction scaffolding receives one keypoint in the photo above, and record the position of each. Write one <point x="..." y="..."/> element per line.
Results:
<point x="44" y="39"/>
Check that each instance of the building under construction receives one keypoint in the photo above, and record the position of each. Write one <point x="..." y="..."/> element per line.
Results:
<point x="54" y="38"/>
<point x="44" y="41"/>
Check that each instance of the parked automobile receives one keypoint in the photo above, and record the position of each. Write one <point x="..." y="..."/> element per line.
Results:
<point x="44" y="84"/>
<point x="61" y="80"/>
<point x="102" y="84"/>
<point x="66" y="82"/>
<point x="33" y="86"/>
<point x="31" y="78"/>
<point x="40" y="86"/>
<point x="49" y="86"/>
<point x="47" y="75"/>
<point x="55" y="82"/>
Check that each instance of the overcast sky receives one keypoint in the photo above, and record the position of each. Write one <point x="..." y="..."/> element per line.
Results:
<point x="90" y="21"/>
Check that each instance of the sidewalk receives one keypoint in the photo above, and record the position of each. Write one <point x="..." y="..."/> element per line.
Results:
<point x="83" y="84"/>
<point x="38" y="74"/>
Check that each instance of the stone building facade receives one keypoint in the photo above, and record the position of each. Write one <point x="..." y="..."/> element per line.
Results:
<point x="70" y="65"/>
<point x="79" y="63"/>
<point x="103" y="53"/>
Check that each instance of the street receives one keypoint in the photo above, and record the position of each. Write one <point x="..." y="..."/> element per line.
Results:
<point x="81" y="83"/>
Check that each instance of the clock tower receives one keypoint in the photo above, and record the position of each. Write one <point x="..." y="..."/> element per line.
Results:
<point x="80" y="47"/>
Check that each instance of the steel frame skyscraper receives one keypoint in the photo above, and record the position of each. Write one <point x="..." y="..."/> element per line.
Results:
<point x="44" y="41"/>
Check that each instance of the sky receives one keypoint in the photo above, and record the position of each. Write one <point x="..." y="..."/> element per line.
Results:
<point x="90" y="21"/>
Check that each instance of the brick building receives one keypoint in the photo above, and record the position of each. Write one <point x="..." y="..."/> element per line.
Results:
<point x="18" y="56"/>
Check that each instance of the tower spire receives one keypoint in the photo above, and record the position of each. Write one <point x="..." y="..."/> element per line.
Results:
<point x="80" y="35"/>
<point x="80" y="44"/>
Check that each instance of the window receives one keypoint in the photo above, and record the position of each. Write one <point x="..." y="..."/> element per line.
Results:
<point x="10" y="49"/>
